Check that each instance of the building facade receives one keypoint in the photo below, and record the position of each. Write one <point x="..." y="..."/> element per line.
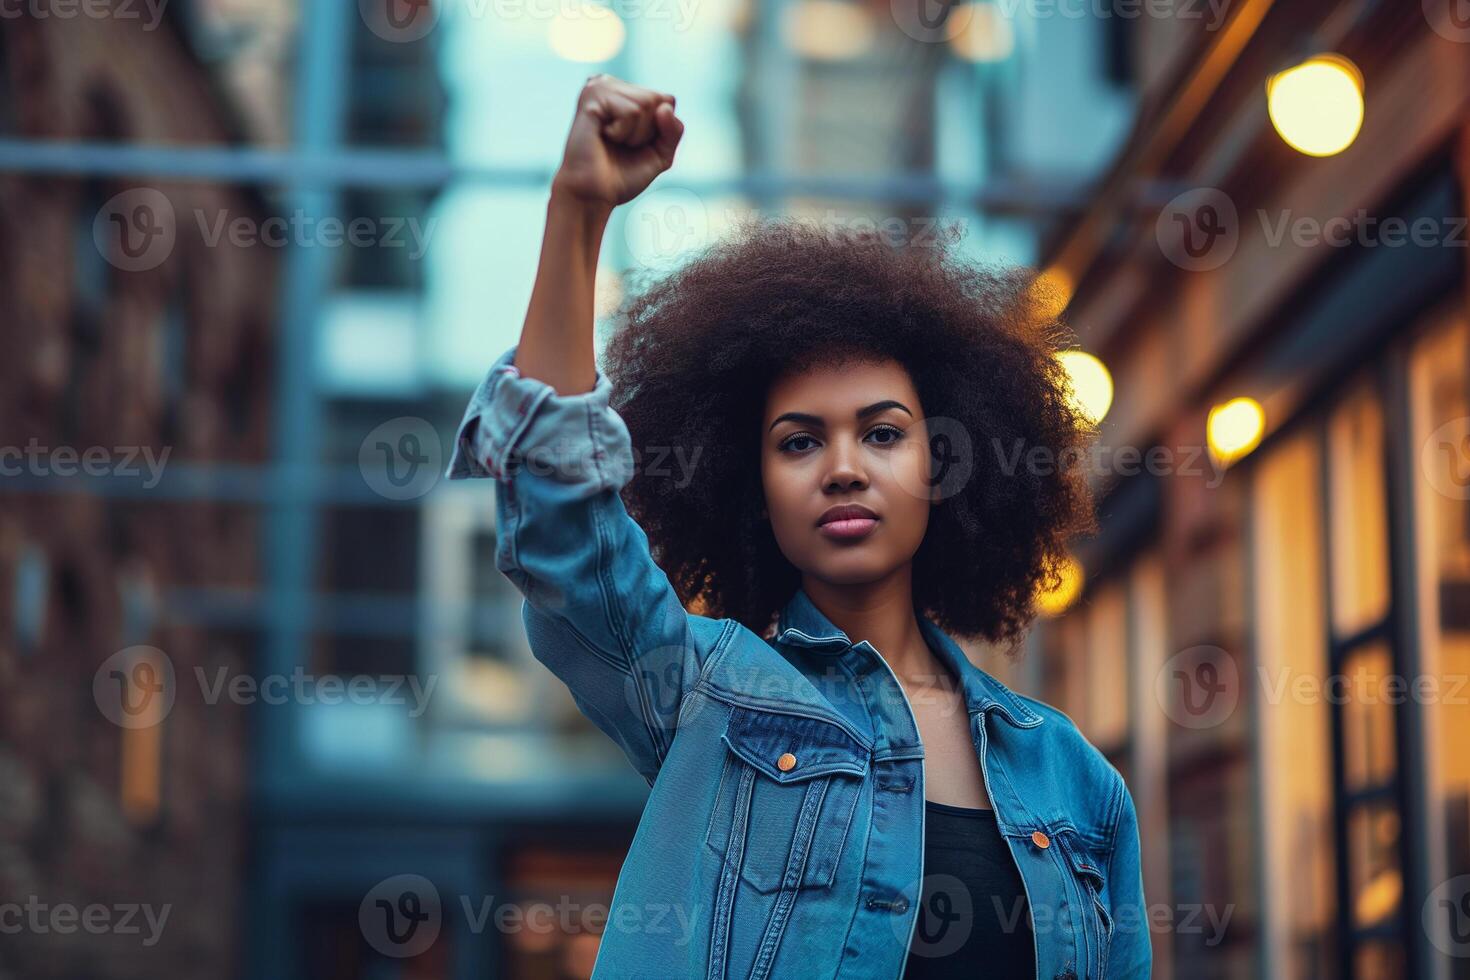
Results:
<point x="1274" y="649"/>
<point x="128" y="363"/>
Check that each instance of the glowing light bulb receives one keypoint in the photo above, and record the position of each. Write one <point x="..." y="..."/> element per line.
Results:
<point x="1234" y="429"/>
<point x="587" y="32"/>
<point x="1056" y="601"/>
<point x="1092" y="383"/>
<point x="1317" y="106"/>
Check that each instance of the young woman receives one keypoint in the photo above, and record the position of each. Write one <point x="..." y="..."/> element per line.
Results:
<point x="843" y="451"/>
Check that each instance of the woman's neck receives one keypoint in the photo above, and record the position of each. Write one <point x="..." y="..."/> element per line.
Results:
<point x="882" y="613"/>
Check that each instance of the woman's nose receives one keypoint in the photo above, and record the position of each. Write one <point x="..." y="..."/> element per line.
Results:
<point x="846" y="473"/>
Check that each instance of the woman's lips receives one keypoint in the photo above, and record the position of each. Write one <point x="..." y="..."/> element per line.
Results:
<point x="849" y="528"/>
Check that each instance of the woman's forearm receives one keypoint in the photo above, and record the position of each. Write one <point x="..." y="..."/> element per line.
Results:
<point x="622" y="137"/>
<point x="556" y="344"/>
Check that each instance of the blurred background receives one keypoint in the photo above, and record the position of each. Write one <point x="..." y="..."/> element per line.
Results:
<point x="256" y="662"/>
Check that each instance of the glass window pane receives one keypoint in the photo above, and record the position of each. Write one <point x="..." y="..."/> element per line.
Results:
<point x="1295" y="732"/>
<point x="1375" y="880"/>
<point x="1379" y="961"/>
<point x="396" y="97"/>
<point x="1148" y="598"/>
<point x="1440" y="417"/>
<point x="1213" y="841"/>
<point x="1359" y="511"/>
<point x="1367" y="716"/>
<point x="1106" y="663"/>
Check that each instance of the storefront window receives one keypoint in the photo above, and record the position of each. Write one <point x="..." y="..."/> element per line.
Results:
<point x="1367" y="717"/>
<point x="1295" y="745"/>
<point x="1440" y="420"/>
<point x="1106" y="669"/>
<point x="1211" y="788"/>
<point x="1365" y="666"/>
<point x="1359" y="512"/>
<point x="1373" y="849"/>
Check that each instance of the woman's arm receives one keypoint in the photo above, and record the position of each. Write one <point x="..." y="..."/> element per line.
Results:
<point x="622" y="137"/>
<point x="1130" y="954"/>
<point x="598" y="611"/>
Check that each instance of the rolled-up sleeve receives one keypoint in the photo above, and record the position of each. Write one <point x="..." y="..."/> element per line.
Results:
<point x="571" y="438"/>
<point x="598" y="611"/>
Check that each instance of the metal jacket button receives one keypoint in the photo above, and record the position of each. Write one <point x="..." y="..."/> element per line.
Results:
<point x="1040" y="840"/>
<point x="787" y="762"/>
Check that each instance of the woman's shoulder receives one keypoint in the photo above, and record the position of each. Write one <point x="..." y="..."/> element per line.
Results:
<point x="1068" y="750"/>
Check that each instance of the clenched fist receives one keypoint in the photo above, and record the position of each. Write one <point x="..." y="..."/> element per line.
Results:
<point x="622" y="137"/>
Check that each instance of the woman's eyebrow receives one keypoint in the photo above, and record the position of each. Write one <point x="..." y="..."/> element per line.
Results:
<point x="807" y="419"/>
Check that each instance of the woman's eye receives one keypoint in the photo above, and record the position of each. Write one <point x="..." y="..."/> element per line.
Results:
<point x="893" y="432"/>
<point x="791" y="444"/>
<point x="890" y="434"/>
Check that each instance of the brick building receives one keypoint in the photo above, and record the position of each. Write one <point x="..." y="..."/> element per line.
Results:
<point x="170" y="363"/>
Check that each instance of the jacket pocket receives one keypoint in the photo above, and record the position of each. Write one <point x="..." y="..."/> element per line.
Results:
<point x="1092" y="883"/>
<point x="792" y="784"/>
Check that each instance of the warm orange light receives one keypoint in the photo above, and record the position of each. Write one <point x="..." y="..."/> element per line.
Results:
<point x="828" y="30"/>
<point x="1092" y="383"/>
<point x="1056" y="601"/>
<point x="1317" y="106"/>
<point x="984" y="35"/>
<point x="1051" y="292"/>
<point x="1234" y="429"/>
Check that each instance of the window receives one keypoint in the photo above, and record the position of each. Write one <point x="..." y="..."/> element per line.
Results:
<point x="1359" y="512"/>
<point x="1105" y="668"/>
<point x="1295" y="742"/>
<point x="1361" y="662"/>
<point x="1440" y="422"/>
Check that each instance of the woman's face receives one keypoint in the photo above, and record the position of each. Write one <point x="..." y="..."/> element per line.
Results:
<point x="846" y="434"/>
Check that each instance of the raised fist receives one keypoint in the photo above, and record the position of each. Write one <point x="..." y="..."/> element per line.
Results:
<point x="622" y="137"/>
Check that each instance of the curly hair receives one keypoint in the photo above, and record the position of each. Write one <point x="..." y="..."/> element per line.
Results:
<point x="692" y="356"/>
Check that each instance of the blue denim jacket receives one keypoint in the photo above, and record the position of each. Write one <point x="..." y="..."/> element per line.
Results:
<point x="784" y="831"/>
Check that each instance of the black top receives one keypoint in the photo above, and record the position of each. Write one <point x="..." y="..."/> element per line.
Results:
<point x="973" y="916"/>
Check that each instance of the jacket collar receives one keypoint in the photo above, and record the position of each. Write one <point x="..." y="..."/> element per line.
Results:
<point x="802" y="624"/>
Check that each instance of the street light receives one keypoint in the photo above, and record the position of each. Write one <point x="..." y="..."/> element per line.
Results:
<point x="1234" y="429"/>
<point x="1317" y="105"/>
<point x="1092" y="383"/>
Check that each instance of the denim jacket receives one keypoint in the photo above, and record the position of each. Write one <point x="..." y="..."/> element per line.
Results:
<point x="784" y="832"/>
